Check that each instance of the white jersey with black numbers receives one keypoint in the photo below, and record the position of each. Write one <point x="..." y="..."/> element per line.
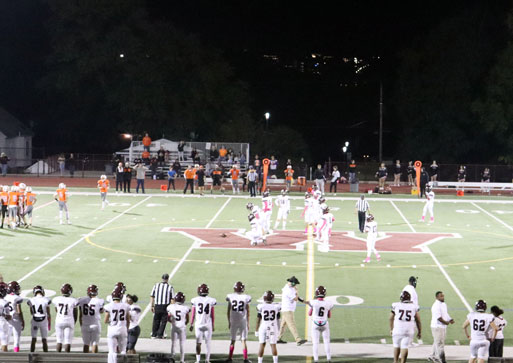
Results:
<point x="256" y="212"/>
<point x="500" y="323"/>
<point x="203" y="310"/>
<point x="404" y="317"/>
<point x="38" y="307"/>
<point x="118" y="314"/>
<point x="430" y="197"/>
<point x="65" y="306"/>
<point x="12" y="301"/>
<point x="239" y="304"/>
<point x="479" y="323"/>
<point x="91" y="309"/>
<point x="372" y="229"/>
<point x="283" y="202"/>
<point x="270" y="315"/>
<point x="320" y="311"/>
<point x="179" y="313"/>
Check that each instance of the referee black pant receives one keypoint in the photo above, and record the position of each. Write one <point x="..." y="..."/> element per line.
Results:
<point x="422" y="189"/>
<point x="119" y="184"/>
<point x="159" y="321"/>
<point x="187" y="183"/>
<point x="252" y="189"/>
<point x="361" y="220"/>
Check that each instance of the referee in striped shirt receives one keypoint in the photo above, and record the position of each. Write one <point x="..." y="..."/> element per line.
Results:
<point x="362" y="207"/>
<point x="161" y="296"/>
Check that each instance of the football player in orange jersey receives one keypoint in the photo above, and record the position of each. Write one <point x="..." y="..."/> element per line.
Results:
<point x="30" y="200"/>
<point x="61" y="196"/>
<point x="103" y="185"/>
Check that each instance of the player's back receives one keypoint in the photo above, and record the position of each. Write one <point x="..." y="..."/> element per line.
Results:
<point x="320" y="311"/>
<point x="479" y="323"/>
<point x="118" y="315"/>
<point x="38" y="307"/>
<point x="179" y="313"/>
<point x="372" y="227"/>
<point x="267" y="204"/>
<point x="91" y="308"/>
<point x="238" y="306"/>
<point x="270" y="314"/>
<point x="65" y="306"/>
<point x="12" y="301"/>
<point x="203" y="311"/>
<point x="404" y="319"/>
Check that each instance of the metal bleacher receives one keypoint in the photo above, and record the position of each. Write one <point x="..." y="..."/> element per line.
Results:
<point x="65" y="357"/>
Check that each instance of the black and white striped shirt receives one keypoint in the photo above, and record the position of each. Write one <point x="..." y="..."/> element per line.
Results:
<point x="162" y="293"/>
<point x="362" y="205"/>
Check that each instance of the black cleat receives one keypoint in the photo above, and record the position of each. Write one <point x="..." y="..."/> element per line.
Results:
<point x="301" y="342"/>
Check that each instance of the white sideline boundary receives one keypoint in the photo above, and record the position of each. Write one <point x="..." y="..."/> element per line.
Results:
<point x="494" y="217"/>
<point x="80" y="240"/>
<point x="426" y="249"/>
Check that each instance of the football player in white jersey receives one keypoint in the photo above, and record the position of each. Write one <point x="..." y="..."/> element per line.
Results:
<point x="479" y="322"/>
<point x="117" y="315"/>
<point x="283" y="204"/>
<point x="41" y="317"/>
<point x="134" y="330"/>
<point x="178" y="314"/>
<point x="256" y="234"/>
<point x="430" y="202"/>
<point x="268" y="325"/>
<point x="90" y="309"/>
<point x="267" y="211"/>
<point x="4" y="317"/>
<point x="411" y="289"/>
<point x="17" y="323"/>
<point x="66" y="317"/>
<point x="371" y="227"/>
<point x="121" y="286"/>
<point x="308" y="212"/>
<point x="324" y="226"/>
<point x="238" y="318"/>
<point x="203" y="315"/>
<point x="403" y="318"/>
<point x="320" y="311"/>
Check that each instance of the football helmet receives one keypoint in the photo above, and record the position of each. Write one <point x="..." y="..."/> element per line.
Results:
<point x="239" y="287"/>
<point x="268" y="296"/>
<point x="251" y="216"/>
<point x="66" y="290"/>
<point x="283" y="192"/>
<point x="249" y="206"/>
<point x="29" y="189"/>
<point x="62" y="186"/>
<point x="326" y="210"/>
<point x="203" y="290"/>
<point x="265" y="194"/>
<point x="22" y="186"/>
<point x="307" y="195"/>
<point x="314" y="187"/>
<point x="413" y="281"/>
<point x="180" y="297"/>
<point x="481" y="306"/>
<point x="103" y="177"/>
<point x="14" y="188"/>
<point x="38" y="290"/>
<point x="117" y="294"/>
<point x="92" y="290"/>
<point x="121" y="286"/>
<point x="5" y="188"/>
<point x="405" y="296"/>
<point x="13" y="288"/>
<point x="320" y="291"/>
<point x="370" y="218"/>
<point x="3" y="289"/>
<point x="322" y="200"/>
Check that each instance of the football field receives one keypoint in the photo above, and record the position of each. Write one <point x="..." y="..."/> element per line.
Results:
<point x="467" y="253"/>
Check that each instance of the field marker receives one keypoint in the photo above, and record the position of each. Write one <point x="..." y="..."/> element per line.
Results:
<point x="129" y="260"/>
<point x="81" y="239"/>
<point x="383" y="341"/>
<point x="426" y="249"/>
<point x="456" y="342"/>
<point x="77" y="259"/>
<point x="494" y="217"/>
<point x="155" y="261"/>
<point x="218" y="212"/>
<point x="103" y="260"/>
<point x="1" y="257"/>
<point x="492" y="268"/>
<point x="27" y="258"/>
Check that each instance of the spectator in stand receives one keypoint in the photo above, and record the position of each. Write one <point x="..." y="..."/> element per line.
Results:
<point x="289" y="177"/>
<point x="214" y="154"/>
<point x="71" y="165"/>
<point x="177" y="167"/>
<point x="181" y="147"/>
<point x="252" y="181"/>
<point x="146" y="157"/>
<point x="424" y="179"/>
<point x="462" y="175"/>
<point x="140" y="174"/>
<point x="229" y="159"/>
<point x="161" y="156"/>
<point x="4" y="160"/>
<point x="146" y="142"/>
<point x="189" y="175"/>
<point x="319" y="177"/>
<point x="302" y="168"/>
<point x="171" y="176"/>
<point x="153" y="168"/>
<point x="410" y="170"/>
<point x="382" y="174"/>
<point x="485" y="178"/>
<point x="335" y="176"/>
<point x="217" y="178"/>
<point x="397" y="173"/>
<point x="62" y="163"/>
<point x="242" y="159"/>
<point x="434" y="171"/>
<point x="195" y="155"/>
<point x="222" y="153"/>
<point x="352" y="172"/>
<point x="120" y="175"/>
<point x="167" y="157"/>
<point x="273" y="166"/>
<point x="127" y="177"/>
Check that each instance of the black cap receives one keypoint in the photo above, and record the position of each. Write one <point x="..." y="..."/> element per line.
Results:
<point x="293" y="280"/>
<point x="165" y="277"/>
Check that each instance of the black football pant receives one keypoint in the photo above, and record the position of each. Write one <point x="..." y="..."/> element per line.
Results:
<point x="333" y="185"/>
<point x="126" y="186"/>
<point x="187" y="183"/>
<point x="252" y="189"/>
<point x="159" y="321"/>
<point x="119" y="183"/>
<point x="422" y="190"/>
<point x="361" y="220"/>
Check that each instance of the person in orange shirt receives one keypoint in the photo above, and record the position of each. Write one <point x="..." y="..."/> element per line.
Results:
<point x="103" y="185"/>
<point x="146" y="142"/>
<point x="12" y="206"/>
<point x="4" y="200"/>
<point x="234" y="172"/>
<point x="189" y="175"/>
<point x="289" y="176"/>
<point x="222" y="153"/>
<point x="30" y="200"/>
<point x="61" y="196"/>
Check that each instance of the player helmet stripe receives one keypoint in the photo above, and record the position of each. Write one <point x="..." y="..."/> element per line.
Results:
<point x="180" y="297"/>
<point x="38" y="289"/>
<point x="405" y="296"/>
<point x="13" y="288"/>
<point x="66" y="290"/>
<point x="239" y="287"/>
<point x="203" y="290"/>
<point x="92" y="290"/>
<point x="481" y="306"/>
<point x="320" y="291"/>
<point x="268" y="296"/>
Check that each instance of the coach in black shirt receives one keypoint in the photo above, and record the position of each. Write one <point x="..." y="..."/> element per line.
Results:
<point x="161" y="296"/>
<point x="424" y="179"/>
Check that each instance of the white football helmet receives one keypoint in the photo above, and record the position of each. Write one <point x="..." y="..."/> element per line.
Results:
<point x="62" y="186"/>
<point x="29" y="189"/>
<point x="14" y="188"/>
<point x="22" y="186"/>
<point x="103" y="177"/>
<point x="5" y="188"/>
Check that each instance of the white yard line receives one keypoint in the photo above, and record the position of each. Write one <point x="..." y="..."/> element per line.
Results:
<point x="426" y="249"/>
<point x="218" y="212"/>
<point x="80" y="240"/>
<point x="44" y="205"/>
<point x="494" y="217"/>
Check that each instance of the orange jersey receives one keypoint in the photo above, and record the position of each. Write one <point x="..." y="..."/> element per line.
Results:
<point x="103" y="185"/>
<point x="4" y="198"/>
<point x="289" y="173"/>
<point x="235" y="173"/>
<point x="30" y="198"/>
<point x="62" y="195"/>
<point x="13" y="198"/>
<point x="190" y="173"/>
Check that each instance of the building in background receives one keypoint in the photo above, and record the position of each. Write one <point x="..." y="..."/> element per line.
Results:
<point x="15" y="140"/>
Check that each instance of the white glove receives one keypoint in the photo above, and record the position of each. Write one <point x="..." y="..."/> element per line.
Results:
<point x="256" y="333"/>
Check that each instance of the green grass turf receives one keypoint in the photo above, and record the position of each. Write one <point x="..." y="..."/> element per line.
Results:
<point x="133" y="249"/>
